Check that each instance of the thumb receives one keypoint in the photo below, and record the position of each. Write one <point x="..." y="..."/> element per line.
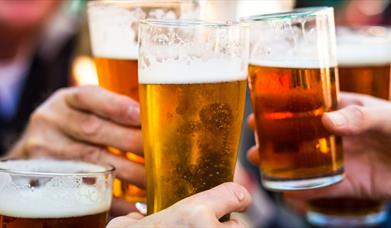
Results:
<point x="221" y="200"/>
<point x="355" y="120"/>
<point x="125" y="221"/>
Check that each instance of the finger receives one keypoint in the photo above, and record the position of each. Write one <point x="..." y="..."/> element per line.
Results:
<point x="250" y="121"/>
<point x="234" y="223"/>
<point x="93" y="99"/>
<point x="120" y="207"/>
<point x="123" y="221"/>
<point x="359" y="99"/>
<point x="40" y="145"/>
<point x="342" y="189"/>
<point x="354" y="120"/>
<point x="135" y="215"/>
<point x="126" y="170"/>
<point x="253" y="156"/>
<point x="221" y="200"/>
<point x="93" y="129"/>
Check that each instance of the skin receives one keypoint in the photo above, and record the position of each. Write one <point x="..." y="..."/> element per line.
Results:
<point x="21" y="22"/>
<point x="364" y="122"/>
<point x="200" y="210"/>
<point x="79" y="123"/>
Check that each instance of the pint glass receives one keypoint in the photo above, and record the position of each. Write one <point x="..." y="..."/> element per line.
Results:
<point x="192" y="77"/>
<point x="293" y="80"/>
<point x="114" y="33"/>
<point x="364" y="58"/>
<point x="54" y="194"/>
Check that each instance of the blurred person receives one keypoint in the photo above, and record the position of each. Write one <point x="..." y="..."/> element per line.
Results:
<point x="36" y="46"/>
<point x="355" y="13"/>
<point x="365" y="125"/>
<point x="34" y="60"/>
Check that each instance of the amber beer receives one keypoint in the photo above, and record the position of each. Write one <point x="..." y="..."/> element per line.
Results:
<point x="78" y="197"/>
<point x="21" y="221"/>
<point x="364" y="67"/>
<point x="288" y="102"/>
<point x="293" y="81"/>
<point x="114" y="32"/>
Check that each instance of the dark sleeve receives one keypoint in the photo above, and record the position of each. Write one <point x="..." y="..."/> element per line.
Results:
<point x="45" y="76"/>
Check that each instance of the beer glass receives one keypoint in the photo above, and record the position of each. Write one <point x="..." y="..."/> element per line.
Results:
<point x="192" y="77"/>
<point x="293" y="80"/>
<point x="54" y="194"/>
<point x="114" y="33"/>
<point x="364" y="62"/>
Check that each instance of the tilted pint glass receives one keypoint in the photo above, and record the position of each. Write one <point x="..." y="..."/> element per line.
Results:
<point x="54" y="194"/>
<point x="114" y="39"/>
<point x="293" y="80"/>
<point x="192" y="77"/>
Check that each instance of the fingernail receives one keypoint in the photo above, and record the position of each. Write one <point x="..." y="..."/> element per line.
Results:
<point x="337" y="119"/>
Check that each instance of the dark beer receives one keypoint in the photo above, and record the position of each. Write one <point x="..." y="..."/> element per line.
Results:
<point x="54" y="194"/>
<point x="288" y="103"/>
<point x="96" y="221"/>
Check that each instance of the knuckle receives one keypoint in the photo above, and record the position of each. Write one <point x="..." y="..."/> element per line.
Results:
<point x="90" y="126"/>
<point x="81" y="94"/>
<point x="196" y="211"/>
<point x="356" y="116"/>
<point x="91" y="154"/>
<point x="33" y="145"/>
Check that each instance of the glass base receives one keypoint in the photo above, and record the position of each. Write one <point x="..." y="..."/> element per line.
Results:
<point x="323" y="220"/>
<point x="302" y="184"/>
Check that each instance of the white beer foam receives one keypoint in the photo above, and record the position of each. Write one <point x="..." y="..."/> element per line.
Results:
<point x="194" y="72"/>
<point x="306" y="64"/>
<point x="364" y="54"/>
<point x="59" y="197"/>
<point x="113" y="31"/>
<point x="367" y="47"/>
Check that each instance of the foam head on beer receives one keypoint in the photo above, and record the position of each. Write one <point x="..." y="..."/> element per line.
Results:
<point x="48" y="195"/>
<point x="114" y="25"/>
<point x="193" y="72"/>
<point x="364" y="48"/>
<point x="113" y="31"/>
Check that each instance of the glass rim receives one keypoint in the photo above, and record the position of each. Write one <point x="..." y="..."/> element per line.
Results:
<point x="187" y="23"/>
<point x="293" y="14"/>
<point x="130" y="2"/>
<point x="107" y="169"/>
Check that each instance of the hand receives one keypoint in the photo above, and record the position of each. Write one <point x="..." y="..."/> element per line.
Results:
<point x="364" y="123"/>
<point x="79" y="123"/>
<point x="200" y="210"/>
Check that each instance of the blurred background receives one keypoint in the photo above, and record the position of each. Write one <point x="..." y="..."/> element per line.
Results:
<point x="44" y="46"/>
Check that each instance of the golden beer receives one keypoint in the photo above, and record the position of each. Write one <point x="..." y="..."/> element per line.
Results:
<point x="191" y="135"/>
<point x="288" y="103"/>
<point x="54" y="194"/>
<point x="120" y="76"/>
<point x="364" y="67"/>
<point x="114" y="33"/>
<point x="192" y="77"/>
